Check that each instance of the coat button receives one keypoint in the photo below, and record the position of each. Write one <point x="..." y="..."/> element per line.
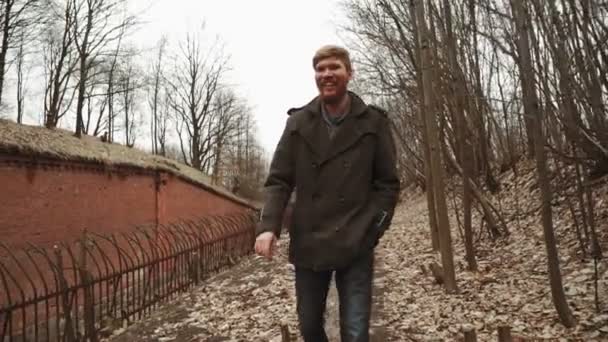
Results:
<point x="337" y="229"/>
<point x="342" y="199"/>
<point x="346" y="164"/>
<point x="315" y="165"/>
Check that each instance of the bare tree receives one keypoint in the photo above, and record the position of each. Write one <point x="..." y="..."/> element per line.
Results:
<point x="59" y="63"/>
<point x="129" y="84"/>
<point x="97" y="25"/>
<point x="162" y="125"/>
<point x="229" y="115"/>
<point x="423" y="96"/>
<point x="193" y="86"/>
<point x="18" y="20"/>
<point x="158" y="120"/>
<point x="96" y="100"/>
<point x="437" y="186"/>
<point x="111" y="88"/>
<point x="242" y="166"/>
<point x="532" y="111"/>
<point x="464" y="150"/>
<point x="21" y="89"/>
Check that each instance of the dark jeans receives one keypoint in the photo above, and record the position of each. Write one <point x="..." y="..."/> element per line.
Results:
<point x="354" y="284"/>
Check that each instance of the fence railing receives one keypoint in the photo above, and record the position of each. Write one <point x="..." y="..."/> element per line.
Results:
<point x="83" y="291"/>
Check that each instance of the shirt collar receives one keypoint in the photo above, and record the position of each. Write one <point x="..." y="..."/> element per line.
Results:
<point x="335" y="120"/>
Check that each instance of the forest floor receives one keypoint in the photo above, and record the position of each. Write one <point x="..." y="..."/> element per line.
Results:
<point x="252" y="300"/>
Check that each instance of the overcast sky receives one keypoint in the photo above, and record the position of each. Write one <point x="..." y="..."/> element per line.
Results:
<point x="271" y="43"/>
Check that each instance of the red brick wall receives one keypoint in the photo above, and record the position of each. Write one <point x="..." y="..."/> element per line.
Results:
<point x="45" y="206"/>
<point x="55" y="201"/>
<point x="183" y="200"/>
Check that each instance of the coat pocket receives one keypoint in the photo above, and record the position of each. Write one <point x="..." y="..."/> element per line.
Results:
<point x="375" y="231"/>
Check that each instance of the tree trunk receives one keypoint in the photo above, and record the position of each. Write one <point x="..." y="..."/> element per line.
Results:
<point x="127" y="109"/>
<point x="6" y="27"/>
<point x="111" y="109"/>
<point x="60" y="71"/>
<point x="437" y="186"/>
<point x="535" y="116"/>
<point x="157" y="69"/>
<point x="81" y="96"/>
<point x="84" y="70"/>
<point x="520" y="22"/>
<point x="481" y="106"/>
<point x="430" y="197"/>
<point x="489" y="211"/>
<point x="20" y="80"/>
<point x="462" y="142"/>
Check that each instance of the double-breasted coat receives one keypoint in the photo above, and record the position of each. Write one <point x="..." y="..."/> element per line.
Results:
<point x="346" y="186"/>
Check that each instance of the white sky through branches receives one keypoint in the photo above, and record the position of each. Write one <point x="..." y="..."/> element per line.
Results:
<point x="270" y="44"/>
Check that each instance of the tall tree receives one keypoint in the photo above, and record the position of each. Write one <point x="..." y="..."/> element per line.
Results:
<point x="98" y="24"/>
<point x="456" y="92"/>
<point x="437" y="186"/>
<point x="531" y="110"/>
<point x="21" y="87"/>
<point x="129" y="84"/>
<point x="111" y="80"/>
<point x="193" y="86"/>
<point x="18" y="20"/>
<point x="60" y="62"/>
<point x="430" y="194"/>
<point x="158" y="120"/>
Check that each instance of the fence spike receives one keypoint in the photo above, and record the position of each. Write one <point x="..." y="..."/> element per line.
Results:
<point x="65" y="298"/>
<point x="5" y="284"/>
<point x="20" y="265"/>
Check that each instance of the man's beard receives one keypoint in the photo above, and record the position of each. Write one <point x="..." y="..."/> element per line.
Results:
<point x="334" y="99"/>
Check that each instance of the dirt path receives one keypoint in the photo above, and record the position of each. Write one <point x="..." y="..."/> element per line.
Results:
<point x="377" y="330"/>
<point x="246" y="303"/>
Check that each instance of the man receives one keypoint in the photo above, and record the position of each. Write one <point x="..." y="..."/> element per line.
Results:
<point x="338" y="153"/>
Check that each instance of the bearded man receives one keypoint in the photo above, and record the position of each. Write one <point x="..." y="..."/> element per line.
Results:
<point x="339" y="155"/>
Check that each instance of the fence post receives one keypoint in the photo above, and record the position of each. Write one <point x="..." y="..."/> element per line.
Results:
<point x="469" y="334"/>
<point x="89" y="304"/>
<point x="504" y="334"/>
<point x="66" y="302"/>
<point x="285" y="335"/>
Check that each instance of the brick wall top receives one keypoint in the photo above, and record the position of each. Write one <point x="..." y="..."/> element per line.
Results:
<point x="38" y="146"/>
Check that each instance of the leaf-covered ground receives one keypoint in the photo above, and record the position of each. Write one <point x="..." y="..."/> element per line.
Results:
<point x="251" y="301"/>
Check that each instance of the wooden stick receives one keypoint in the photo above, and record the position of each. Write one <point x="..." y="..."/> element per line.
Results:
<point x="504" y="334"/>
<point x="285" y="336"/>
<point x="437" y="271"/>
<point x="469" y="334"/>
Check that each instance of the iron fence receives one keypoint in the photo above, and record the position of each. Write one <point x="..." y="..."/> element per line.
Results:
<point x="85" y="290"/>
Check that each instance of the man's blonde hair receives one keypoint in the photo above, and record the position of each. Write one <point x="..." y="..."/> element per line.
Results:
<point x="333" y="51"/>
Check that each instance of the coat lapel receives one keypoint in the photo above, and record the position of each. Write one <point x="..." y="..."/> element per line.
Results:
<point x="350" y="131"/>
<point x="314" y="132"/>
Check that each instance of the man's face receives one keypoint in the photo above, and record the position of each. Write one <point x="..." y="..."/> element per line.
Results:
<point x="332" y="79"/>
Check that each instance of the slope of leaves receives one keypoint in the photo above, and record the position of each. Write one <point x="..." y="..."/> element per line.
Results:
<point x="511" y="287"/>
